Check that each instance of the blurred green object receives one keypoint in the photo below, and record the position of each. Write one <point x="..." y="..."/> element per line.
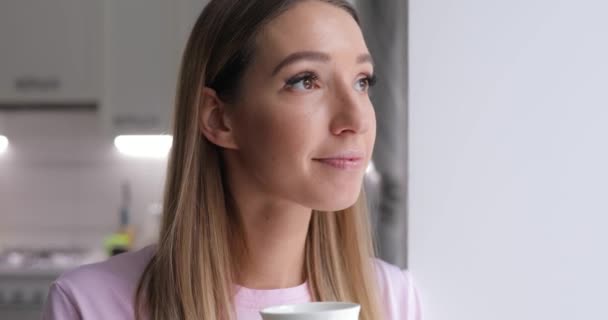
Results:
<point x="122" y="240"/>
<point x="117" y="243"/>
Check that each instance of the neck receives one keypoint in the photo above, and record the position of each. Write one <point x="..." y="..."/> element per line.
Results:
<point x="275" y="240"/>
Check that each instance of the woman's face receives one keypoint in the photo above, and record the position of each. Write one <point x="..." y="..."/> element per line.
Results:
<point x="303" y="122"/>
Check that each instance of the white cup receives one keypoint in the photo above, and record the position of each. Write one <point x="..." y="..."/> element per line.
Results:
<point x="313" y="311"/>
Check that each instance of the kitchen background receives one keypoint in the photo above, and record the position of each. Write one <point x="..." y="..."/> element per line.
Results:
<point x="489" y="178"/>
<point x="73" y="75"/>
<point x="76" y="74"/>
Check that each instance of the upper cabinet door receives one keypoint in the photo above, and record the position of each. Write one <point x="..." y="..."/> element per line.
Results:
<point x="50" y="51"/>
<point x="141" y="65"/>
<point x="144" y="41"/>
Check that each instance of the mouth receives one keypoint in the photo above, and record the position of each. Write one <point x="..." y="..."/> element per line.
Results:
<point x="344" y="161"/>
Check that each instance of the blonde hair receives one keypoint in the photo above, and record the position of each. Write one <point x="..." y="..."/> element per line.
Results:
<point x="192" y="274"/>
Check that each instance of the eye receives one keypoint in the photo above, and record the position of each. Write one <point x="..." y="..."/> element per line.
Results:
<point x="302" y="82"/>
<point x="364" y="84"/>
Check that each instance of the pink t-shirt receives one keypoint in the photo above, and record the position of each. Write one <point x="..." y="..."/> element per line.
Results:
<point x="105" y="290"/>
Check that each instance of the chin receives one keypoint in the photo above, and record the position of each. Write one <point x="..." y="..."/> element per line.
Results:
<point x="337" y="203"/>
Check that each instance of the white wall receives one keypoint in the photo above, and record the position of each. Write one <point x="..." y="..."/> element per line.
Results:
<point x="60" y="181"/>
<point x="509" y="158"/>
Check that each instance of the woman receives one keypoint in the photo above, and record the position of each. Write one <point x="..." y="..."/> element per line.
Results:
<point x="264" y="205"/>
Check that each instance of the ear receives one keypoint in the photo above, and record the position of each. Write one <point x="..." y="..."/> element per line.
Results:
<point x="214" y="122"/>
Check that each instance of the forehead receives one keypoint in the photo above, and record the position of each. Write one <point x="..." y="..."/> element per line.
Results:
<point x="311" y="25"/>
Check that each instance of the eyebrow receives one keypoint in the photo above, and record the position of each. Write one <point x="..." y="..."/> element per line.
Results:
<point x="315" y="56"/>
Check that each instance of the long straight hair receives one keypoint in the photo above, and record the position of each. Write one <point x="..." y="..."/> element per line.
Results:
<point x="192" y="273"/>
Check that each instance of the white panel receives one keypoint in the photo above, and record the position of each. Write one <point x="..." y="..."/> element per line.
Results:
<point x="509" y="146"/>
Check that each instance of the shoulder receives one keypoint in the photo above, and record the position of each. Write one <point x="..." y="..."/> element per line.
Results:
<point x="397" y="292"/>
<point x="123" y="269"/>
<point x="109" y="286"/>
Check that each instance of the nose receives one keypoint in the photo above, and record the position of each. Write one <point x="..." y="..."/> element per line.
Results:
<point x="351" y="110"/>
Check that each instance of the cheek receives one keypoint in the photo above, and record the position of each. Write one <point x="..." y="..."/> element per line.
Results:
<point x="274" y="141"/>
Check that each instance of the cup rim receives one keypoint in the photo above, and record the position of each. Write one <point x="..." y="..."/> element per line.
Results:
<point x="292" y="309"/>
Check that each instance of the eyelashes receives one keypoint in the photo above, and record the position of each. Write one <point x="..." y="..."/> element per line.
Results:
<point x="308" y="80"/>
<point x="370" y="81"/>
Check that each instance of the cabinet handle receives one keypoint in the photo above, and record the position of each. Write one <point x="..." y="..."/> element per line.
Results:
<point x="40" y="84"/>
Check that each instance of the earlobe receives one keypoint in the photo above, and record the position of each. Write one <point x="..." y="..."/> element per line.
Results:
<point x="214" y="122"/>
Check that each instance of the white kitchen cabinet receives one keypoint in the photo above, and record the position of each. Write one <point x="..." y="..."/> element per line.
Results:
<point x="144" y="40"/>
<point x="140" y="59"/>
<point x="120" y="55"/>
<point x="50" y="51"/>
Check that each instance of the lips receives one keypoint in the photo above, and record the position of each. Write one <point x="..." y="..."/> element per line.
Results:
<point x="343" y="160"/>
